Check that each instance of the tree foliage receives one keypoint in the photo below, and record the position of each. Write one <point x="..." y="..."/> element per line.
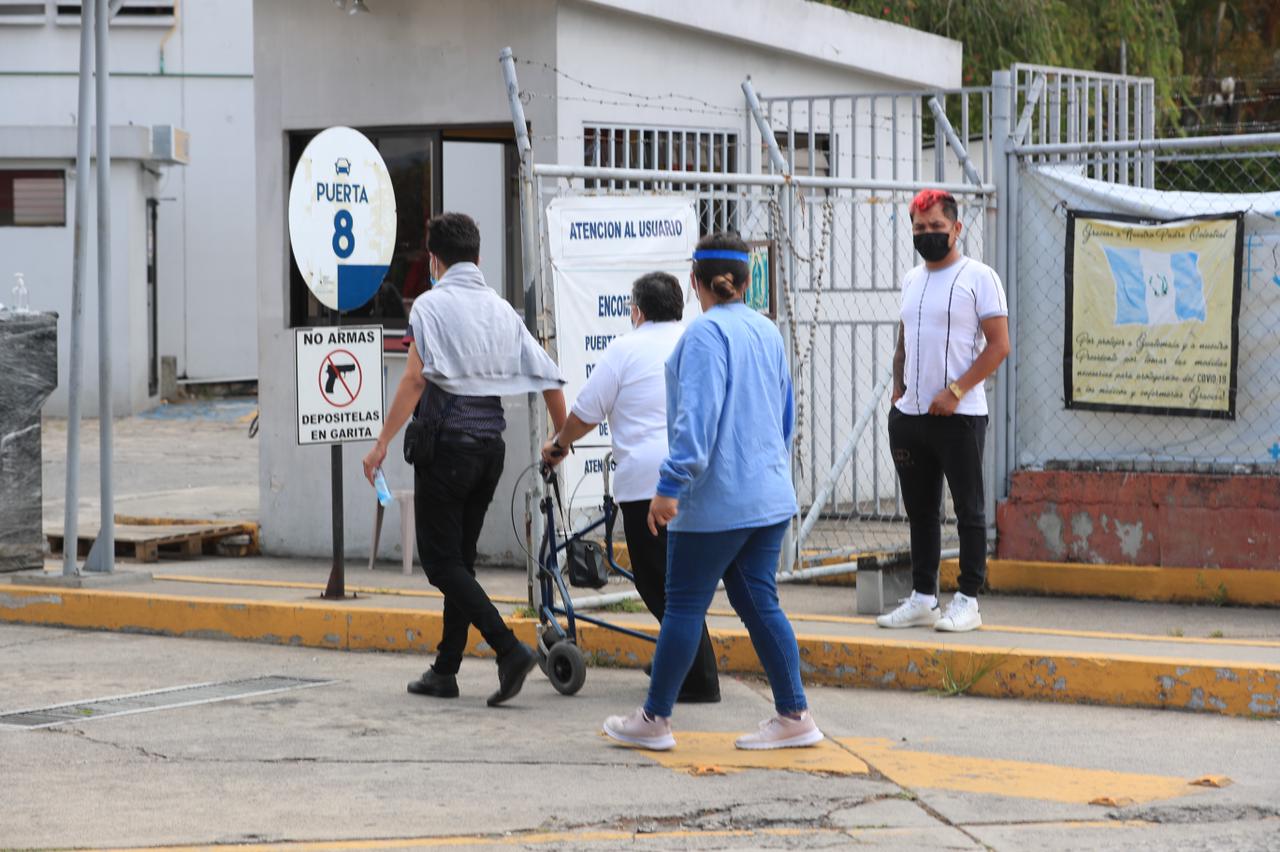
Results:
<point x="1162" y="37"/>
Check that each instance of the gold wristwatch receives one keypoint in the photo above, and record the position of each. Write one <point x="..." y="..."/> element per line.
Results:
<point x="956" y="389"/>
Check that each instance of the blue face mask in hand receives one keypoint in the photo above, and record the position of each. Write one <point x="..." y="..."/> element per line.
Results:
<point x="932" y="246"/>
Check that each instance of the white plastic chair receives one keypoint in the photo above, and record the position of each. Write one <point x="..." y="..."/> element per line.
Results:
<point x="404" y="499"/>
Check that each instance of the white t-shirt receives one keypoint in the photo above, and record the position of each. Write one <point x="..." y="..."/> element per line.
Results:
<point x="942" y="314"/>
<point x="628" y="388"/>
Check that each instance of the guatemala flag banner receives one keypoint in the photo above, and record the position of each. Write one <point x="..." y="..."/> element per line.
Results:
<point x="1152" y="310"/>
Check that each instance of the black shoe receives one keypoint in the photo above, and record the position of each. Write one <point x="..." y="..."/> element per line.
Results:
<point x="435" y="684"/>
<point x="699" y="697"/>
<point x="512" y="669"/>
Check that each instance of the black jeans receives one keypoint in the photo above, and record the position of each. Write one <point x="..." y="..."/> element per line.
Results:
<point x="450" y="497"/>
<point x="925" y="449"/>
<point x="649" y="565"/>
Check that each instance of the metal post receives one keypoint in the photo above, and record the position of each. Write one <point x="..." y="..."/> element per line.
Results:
<point x="1001" y="117"/>
<point x="102" y="554"/>
<point x="336" y="588"/>
<point x="530" y="269"/>
<point x="941" y="121"/>
<point x="1148" y="132"/>
<point x="766" y="131"/>
<point x="790" y="553"/>
<point x="79" y="251"/>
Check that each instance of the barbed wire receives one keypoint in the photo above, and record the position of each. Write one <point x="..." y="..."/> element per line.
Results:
<point x="526" y="96"/>
<point x="640" y="96"/>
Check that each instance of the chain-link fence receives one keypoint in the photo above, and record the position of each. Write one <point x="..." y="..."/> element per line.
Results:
<point x="1183" y="325"/>
<point x="838" y="254"/>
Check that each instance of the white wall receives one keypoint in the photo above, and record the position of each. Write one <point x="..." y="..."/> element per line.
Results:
<point x="206" y="230"/>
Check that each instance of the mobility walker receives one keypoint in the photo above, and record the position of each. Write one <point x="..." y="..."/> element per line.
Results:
<point x="587" y="566"/>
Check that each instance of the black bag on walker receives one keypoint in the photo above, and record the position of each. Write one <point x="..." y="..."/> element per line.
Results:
<point x="588" y="569"/>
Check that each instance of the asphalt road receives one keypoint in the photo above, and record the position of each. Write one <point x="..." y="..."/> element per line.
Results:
<point x="357" y="763"/>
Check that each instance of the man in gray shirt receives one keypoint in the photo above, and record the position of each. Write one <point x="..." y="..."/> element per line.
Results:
<point x="470" y="348"/>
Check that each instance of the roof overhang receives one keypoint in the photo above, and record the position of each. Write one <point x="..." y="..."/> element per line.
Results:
<point x="817" y="32"/>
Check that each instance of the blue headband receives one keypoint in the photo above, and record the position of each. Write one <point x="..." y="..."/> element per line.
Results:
<point x="721" y="254"/>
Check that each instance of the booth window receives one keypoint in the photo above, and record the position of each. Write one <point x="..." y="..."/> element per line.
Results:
<point x="33" y="198"/>
<point x="679" y="150"/>
<point x="411" y="157"/>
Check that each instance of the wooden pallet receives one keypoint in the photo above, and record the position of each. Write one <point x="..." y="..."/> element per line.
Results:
<point x="147" y="540"/>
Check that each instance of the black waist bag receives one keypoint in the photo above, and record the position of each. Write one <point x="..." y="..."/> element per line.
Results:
<point x="420" y="437"/>
<point x="419" y="442"/>
<point x="588" y="568"/>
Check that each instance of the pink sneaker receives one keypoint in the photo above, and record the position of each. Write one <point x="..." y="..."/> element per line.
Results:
<point x="782" y="732"/>
<point x="635" y="729"/>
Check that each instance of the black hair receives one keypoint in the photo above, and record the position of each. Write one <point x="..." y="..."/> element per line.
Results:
<point x="454" y="238"/>
<point x="728" y="279"/>
<point x="658" y="296"/>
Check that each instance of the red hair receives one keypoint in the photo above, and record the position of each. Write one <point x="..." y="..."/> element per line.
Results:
<point x="927" y="198"/>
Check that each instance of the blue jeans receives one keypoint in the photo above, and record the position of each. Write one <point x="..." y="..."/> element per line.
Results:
<point x="747" y="560"/>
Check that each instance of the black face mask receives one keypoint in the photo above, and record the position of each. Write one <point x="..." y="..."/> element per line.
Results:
<point x="932" y="246"/>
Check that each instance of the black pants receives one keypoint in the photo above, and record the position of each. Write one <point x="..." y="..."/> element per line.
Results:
<point x="649" y="564"/>
<point x="450" y="497"/>
<point x="925" y="449"/>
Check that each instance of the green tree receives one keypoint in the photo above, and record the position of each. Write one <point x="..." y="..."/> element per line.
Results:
<point x="1082" y="34"/>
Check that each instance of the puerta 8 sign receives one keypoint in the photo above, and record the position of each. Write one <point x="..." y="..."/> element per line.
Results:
<point x="342" y="218"/>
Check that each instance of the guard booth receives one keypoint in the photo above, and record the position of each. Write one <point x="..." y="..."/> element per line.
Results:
<point x="604" y="84"/>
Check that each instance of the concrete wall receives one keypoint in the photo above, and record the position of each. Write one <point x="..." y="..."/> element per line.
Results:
<point x="204" y="84"/>
<point x="1167" y="519"/>
<point x="408" y="63"/>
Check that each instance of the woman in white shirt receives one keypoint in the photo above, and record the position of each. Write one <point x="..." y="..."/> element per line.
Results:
<point x="627" y="387"/>
<point x="953" y="335"/>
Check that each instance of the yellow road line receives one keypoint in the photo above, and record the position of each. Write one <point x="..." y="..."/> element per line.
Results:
<point x="1020" y="779"/>
<point x="728" y="613"/>
<point x="1036" y="631"/>
<point x="714" y="753"/>
<point x="292" y="584"/>
<point x="513" y="839"/>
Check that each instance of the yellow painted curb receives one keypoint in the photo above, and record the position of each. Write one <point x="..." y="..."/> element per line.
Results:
<point x="1130" y="582"/>
<point x="1216" y="686"/>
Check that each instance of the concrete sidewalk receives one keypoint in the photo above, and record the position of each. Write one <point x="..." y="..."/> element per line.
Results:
<point x="1212" y="659"/>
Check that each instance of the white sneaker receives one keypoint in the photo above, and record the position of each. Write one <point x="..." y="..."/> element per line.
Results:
<point x="911" y="612"/>
<point x="961" y="616"/>
<point x="635" y="729"/>
<point x="782" y="732"/>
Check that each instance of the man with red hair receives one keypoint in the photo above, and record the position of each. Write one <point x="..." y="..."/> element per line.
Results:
<point x="953" y="334"/>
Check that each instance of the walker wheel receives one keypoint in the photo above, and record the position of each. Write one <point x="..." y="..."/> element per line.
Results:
<point x="566" y="667"/>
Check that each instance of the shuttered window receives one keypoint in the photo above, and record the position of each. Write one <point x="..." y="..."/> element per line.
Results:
<point x="33" y="198"/>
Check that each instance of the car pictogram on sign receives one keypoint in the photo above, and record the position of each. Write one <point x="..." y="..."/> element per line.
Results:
<point x="342" y="166"/>
<point x="340" y="378"/>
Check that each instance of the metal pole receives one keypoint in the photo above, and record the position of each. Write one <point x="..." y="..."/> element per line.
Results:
<point x="766" y="131"/>
<point x="80" y="250"/>
<point x="336" y="588"/>
<point x="1180" y="143"/>
<point x="846" y="455"/>
<point x="102" y="555"/>
<point x="530" y="264"/>
<point x="604" y="173"/>
<point x="941" y="120"/>
<point x="1001" y="116"/>
<point x="790" y="551"/>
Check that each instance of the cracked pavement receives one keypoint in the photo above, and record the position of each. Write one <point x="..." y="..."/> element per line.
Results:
<point x="362" y="761"/>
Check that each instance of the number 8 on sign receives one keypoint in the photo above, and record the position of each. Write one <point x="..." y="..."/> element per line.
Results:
<point x="344" y="241"/>
<point x="342" y="218"/>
